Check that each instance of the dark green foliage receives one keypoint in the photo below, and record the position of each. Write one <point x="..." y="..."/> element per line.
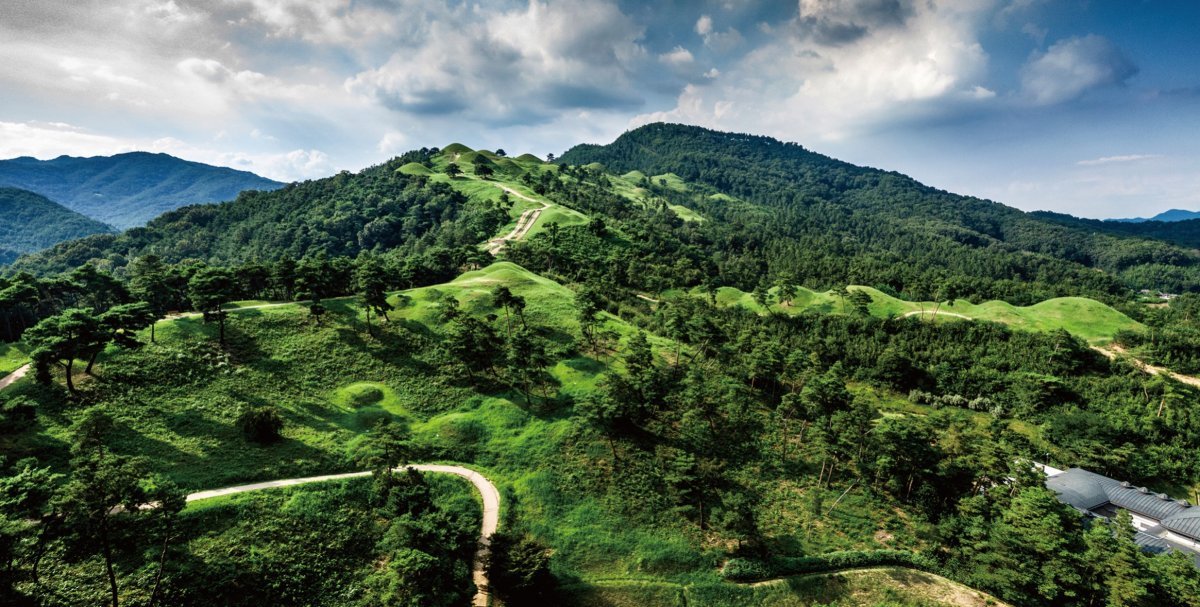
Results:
<point x="262" y="425"/>
<point x="809" y="213"/>
<point x="377" y="209"/>
<point x="33" y="222"/>
<point x="519" y="569"/>
<point x="127" y="190"/>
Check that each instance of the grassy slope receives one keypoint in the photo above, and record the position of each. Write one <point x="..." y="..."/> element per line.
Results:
<point x="507" y="175"/>
<point x="333" y="382"/>
<point x="626" y="185"/>
<point x="1083" y="317"/>
<point x="12" y="356"/>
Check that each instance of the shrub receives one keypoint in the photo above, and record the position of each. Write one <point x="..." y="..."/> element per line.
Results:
<point x="366" y="396"/>
<point x="261" y="424"/>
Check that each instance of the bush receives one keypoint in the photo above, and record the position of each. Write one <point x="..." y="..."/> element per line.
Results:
<point x="519" y="568"/>
<point x="261" y="424"/>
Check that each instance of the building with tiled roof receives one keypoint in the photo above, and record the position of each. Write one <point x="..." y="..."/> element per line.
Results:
<point x="1162" y="523"/>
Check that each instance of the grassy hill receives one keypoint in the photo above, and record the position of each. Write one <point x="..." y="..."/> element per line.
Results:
<point x="127" y="190"/>
<point x="32" y="222"/>
<point x="333" y="382"/>
<point x="1086" y="318"/>
<point x="508" y="175"/>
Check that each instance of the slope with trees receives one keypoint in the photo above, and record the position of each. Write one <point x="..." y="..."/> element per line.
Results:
<point x="127" y="190"/>
<point x="32" y="222"/>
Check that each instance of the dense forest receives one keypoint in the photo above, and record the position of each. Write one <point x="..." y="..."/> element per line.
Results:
<point x="376" y="209"/>
<point x="836" y="223"/>
<point x="33" y="222"/>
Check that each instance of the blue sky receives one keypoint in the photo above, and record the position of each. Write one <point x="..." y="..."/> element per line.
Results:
<point x="1081" y="106"/>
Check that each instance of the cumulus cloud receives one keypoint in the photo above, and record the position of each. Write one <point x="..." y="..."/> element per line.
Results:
<point x="1071" y="67"/>
<point x="843" y="67"/>
<point x="678" y="56"/>
<point x="514" y="67"/>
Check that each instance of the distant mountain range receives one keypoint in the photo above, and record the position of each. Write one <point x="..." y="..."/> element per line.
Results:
<point x="1172" y="215"/>
<point x="127" y="190"/>
<point x="31" y="222"/>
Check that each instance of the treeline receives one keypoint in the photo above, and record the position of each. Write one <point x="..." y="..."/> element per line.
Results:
<point x="378" y="209"/>
<point x="830" y="223"/>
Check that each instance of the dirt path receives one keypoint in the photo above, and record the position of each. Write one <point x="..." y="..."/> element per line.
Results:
<point x="524" y="222"/>
<point x="937" y="313"/>
<point x="9" y="379"/>
<point x="927" y="585"/>
<point x="488" y="491"/>
<point x="1113" y="351"/>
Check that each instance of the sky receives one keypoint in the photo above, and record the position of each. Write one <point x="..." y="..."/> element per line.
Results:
<point x="1088" y="107"/>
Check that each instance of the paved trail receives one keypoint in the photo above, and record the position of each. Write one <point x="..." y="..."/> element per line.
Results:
<point x="7" y="380"/>
<point x="491" y="509"/>
<point x="524" y="222"/>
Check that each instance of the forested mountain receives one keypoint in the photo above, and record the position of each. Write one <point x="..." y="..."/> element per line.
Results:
<point x="1183" y="232"/>
<point x="128" y="190"/>
<point x="377" y="208"/>
<point x="830" y="222"/>
<point x="1171" y="215"/>
<point x="30" y="222"/>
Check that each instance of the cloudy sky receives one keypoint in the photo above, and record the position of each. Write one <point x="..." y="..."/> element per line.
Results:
<point x="1090" y="107"/>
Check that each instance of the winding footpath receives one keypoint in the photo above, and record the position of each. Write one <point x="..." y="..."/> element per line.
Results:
<point x="8" y="380"/>
<point x="488" y="491"/>
<point x="524" y="222"/>
<point x="934" y="313"/>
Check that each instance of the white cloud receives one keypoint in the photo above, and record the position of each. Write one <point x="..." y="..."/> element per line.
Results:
<point x="1117" y="159"/>
<point x="678" y="56"/>
<point x="704" y="25"/>
<point x="51" y="139"/>
<point x="513" y="67"/>
<point x="837" y="70"/>
<point x="1072" y="67"/>
<point x="392" y="143"/>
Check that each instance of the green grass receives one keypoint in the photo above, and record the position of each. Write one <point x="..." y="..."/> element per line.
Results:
<point x="12" y="357"/>
<point x="1085" y="318"/>
<point x="333" y="382"/>
<point x="626" y="186"/>
<point x="415" y="168"/>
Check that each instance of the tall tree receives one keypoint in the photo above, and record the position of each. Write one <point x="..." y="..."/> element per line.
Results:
<point x="210" y="290"/>
<point x="149" y="281"/>
<point x="64" y="338"/>
<point x="370" y="280"/>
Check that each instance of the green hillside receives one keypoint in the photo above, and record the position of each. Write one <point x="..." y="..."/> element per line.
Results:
<point x="127" y="190"/>
<point x="816" y="212"/>
<point x="32" y="222"/>
<point x="1086" y="318"/>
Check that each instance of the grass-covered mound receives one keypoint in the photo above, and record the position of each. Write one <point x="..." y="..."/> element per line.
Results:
<point x="415" y="168"/>
<point x="1086" y="318"/>
<point x="456" y="148"/>
<point x="529" y="159"/>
